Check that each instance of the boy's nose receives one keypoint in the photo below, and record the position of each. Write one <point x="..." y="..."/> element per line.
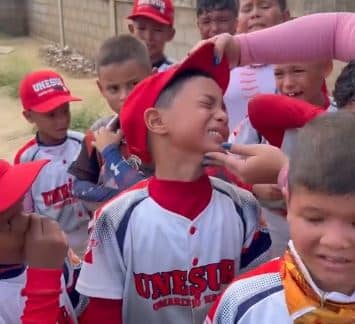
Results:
<point x="222" y="115"/>
<point x="255" y="12"/>
<point x="288" y="83"/>
<point x="334" y="238"/>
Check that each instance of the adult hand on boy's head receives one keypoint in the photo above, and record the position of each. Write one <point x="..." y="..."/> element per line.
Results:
<point x="258" y="163"/>
<point x="105" y="137"/>
<point x="224" y="44"/>
<point x="46" y="245"/>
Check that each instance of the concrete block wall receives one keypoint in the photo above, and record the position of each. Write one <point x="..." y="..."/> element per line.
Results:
<point x="43" y="19"/>
<point x="13" y="18"/>
<point x="88" y="22"/>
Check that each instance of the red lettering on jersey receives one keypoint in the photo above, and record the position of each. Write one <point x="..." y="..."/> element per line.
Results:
<point x="160" y="284"/>
<point x="59" y="194"/>
<point x="142" y="285"/>
<point x="227" y="271"/>
<point x="198" y="281"/>
<point x="215" y="281"/>
<point x="179" y="283"/>
<point x="184" y="283"/>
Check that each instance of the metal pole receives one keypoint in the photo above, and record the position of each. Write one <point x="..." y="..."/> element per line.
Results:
<point x="61" y="23"/>
<point x="113" y="21"/>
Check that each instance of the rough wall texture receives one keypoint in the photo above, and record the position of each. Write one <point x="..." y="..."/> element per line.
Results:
<point x="88" y="22"/>
<point x="43" y="19"/>
<point x="13" y="18"/>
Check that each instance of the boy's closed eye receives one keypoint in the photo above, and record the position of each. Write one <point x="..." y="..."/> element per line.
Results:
<point x="113" y="88"/>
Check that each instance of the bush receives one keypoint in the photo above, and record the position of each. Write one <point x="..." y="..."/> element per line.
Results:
<point x="91" y="110"/>
<point x="12" y="70"/>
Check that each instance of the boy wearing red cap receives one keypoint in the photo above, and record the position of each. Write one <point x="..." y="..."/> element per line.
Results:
<point x="36" y="241"/>
<point x="45" y="100"/>
<point x="165" y="249"/>
<point x="153" y="23"/>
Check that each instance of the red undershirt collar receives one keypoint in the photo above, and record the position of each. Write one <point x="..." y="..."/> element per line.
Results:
<point x="188" y="199"/>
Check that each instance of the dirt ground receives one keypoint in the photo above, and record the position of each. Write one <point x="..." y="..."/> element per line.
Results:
<point x="14" y="130"/>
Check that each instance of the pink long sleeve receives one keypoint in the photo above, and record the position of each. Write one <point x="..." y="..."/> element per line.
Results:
<point x="317" y="36"/>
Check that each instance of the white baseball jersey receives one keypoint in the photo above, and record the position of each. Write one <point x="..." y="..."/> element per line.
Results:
<point x="51" y="193"/>
<point x="260" y="298"/>
<point x="245" y="83"/>
<point x="166" y="267"/>
<point x="12" y="303"/>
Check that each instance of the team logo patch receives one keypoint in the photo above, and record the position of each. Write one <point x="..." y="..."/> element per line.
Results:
<point x="156" y="4"/>
<point x="200" y="285"/>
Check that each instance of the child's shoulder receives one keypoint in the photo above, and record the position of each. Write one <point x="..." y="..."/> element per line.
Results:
<point x="121" y="206"/>
<point x="258" y="286"/>
<point x="75" y="136"/>
<point x="27" y="151"/>
<point x="239" y="195"/>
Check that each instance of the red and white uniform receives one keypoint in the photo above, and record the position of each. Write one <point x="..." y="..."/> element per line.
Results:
<point x="167" y="249"/>
<point x="245" y="83"/>
<point x="259" y="297"/>
<point x="12" y="302"/>
<point x="51" y="192"/>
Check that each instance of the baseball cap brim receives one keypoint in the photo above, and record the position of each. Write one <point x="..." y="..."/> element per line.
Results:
<point x="16" y="181"/>
<point x="152" y="16"/>
<point x="53" y="103"/>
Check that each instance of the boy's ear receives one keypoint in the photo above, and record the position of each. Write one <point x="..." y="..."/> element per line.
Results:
<point x="99" y="85"/>
<point x="171" y="34"/>
<point x="131" y="28"/>
<point x="154" y="121"/>
<point x="28" y="116"/>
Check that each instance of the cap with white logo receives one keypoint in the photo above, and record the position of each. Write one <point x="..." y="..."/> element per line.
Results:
<point x="43" y="91"/>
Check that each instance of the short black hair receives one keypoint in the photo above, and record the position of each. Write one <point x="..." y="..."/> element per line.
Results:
<point x="209" y="5"/>
<point x="344" y="89"/>
<point x="174" y="86"/>
<point x="323" y="159"/>
<point x="282" y="4"/>
<point x="120" y="49"/>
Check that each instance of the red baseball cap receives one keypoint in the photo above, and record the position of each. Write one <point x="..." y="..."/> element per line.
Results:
<point x="43" y="91"/>
<point x="162" y="11"/>
<point x="146" y="93"/>
<point x="16" y="180"/>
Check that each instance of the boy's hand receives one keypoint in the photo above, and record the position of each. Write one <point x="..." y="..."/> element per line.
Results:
<point x="224" y="44"/>
<point x="46" y="245"/>
<point x="258" y="163"/>
<point x="12" y="238"/>
<point x="105" y="137"/>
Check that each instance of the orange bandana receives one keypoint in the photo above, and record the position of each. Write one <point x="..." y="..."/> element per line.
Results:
<point x="304" y="305"/>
